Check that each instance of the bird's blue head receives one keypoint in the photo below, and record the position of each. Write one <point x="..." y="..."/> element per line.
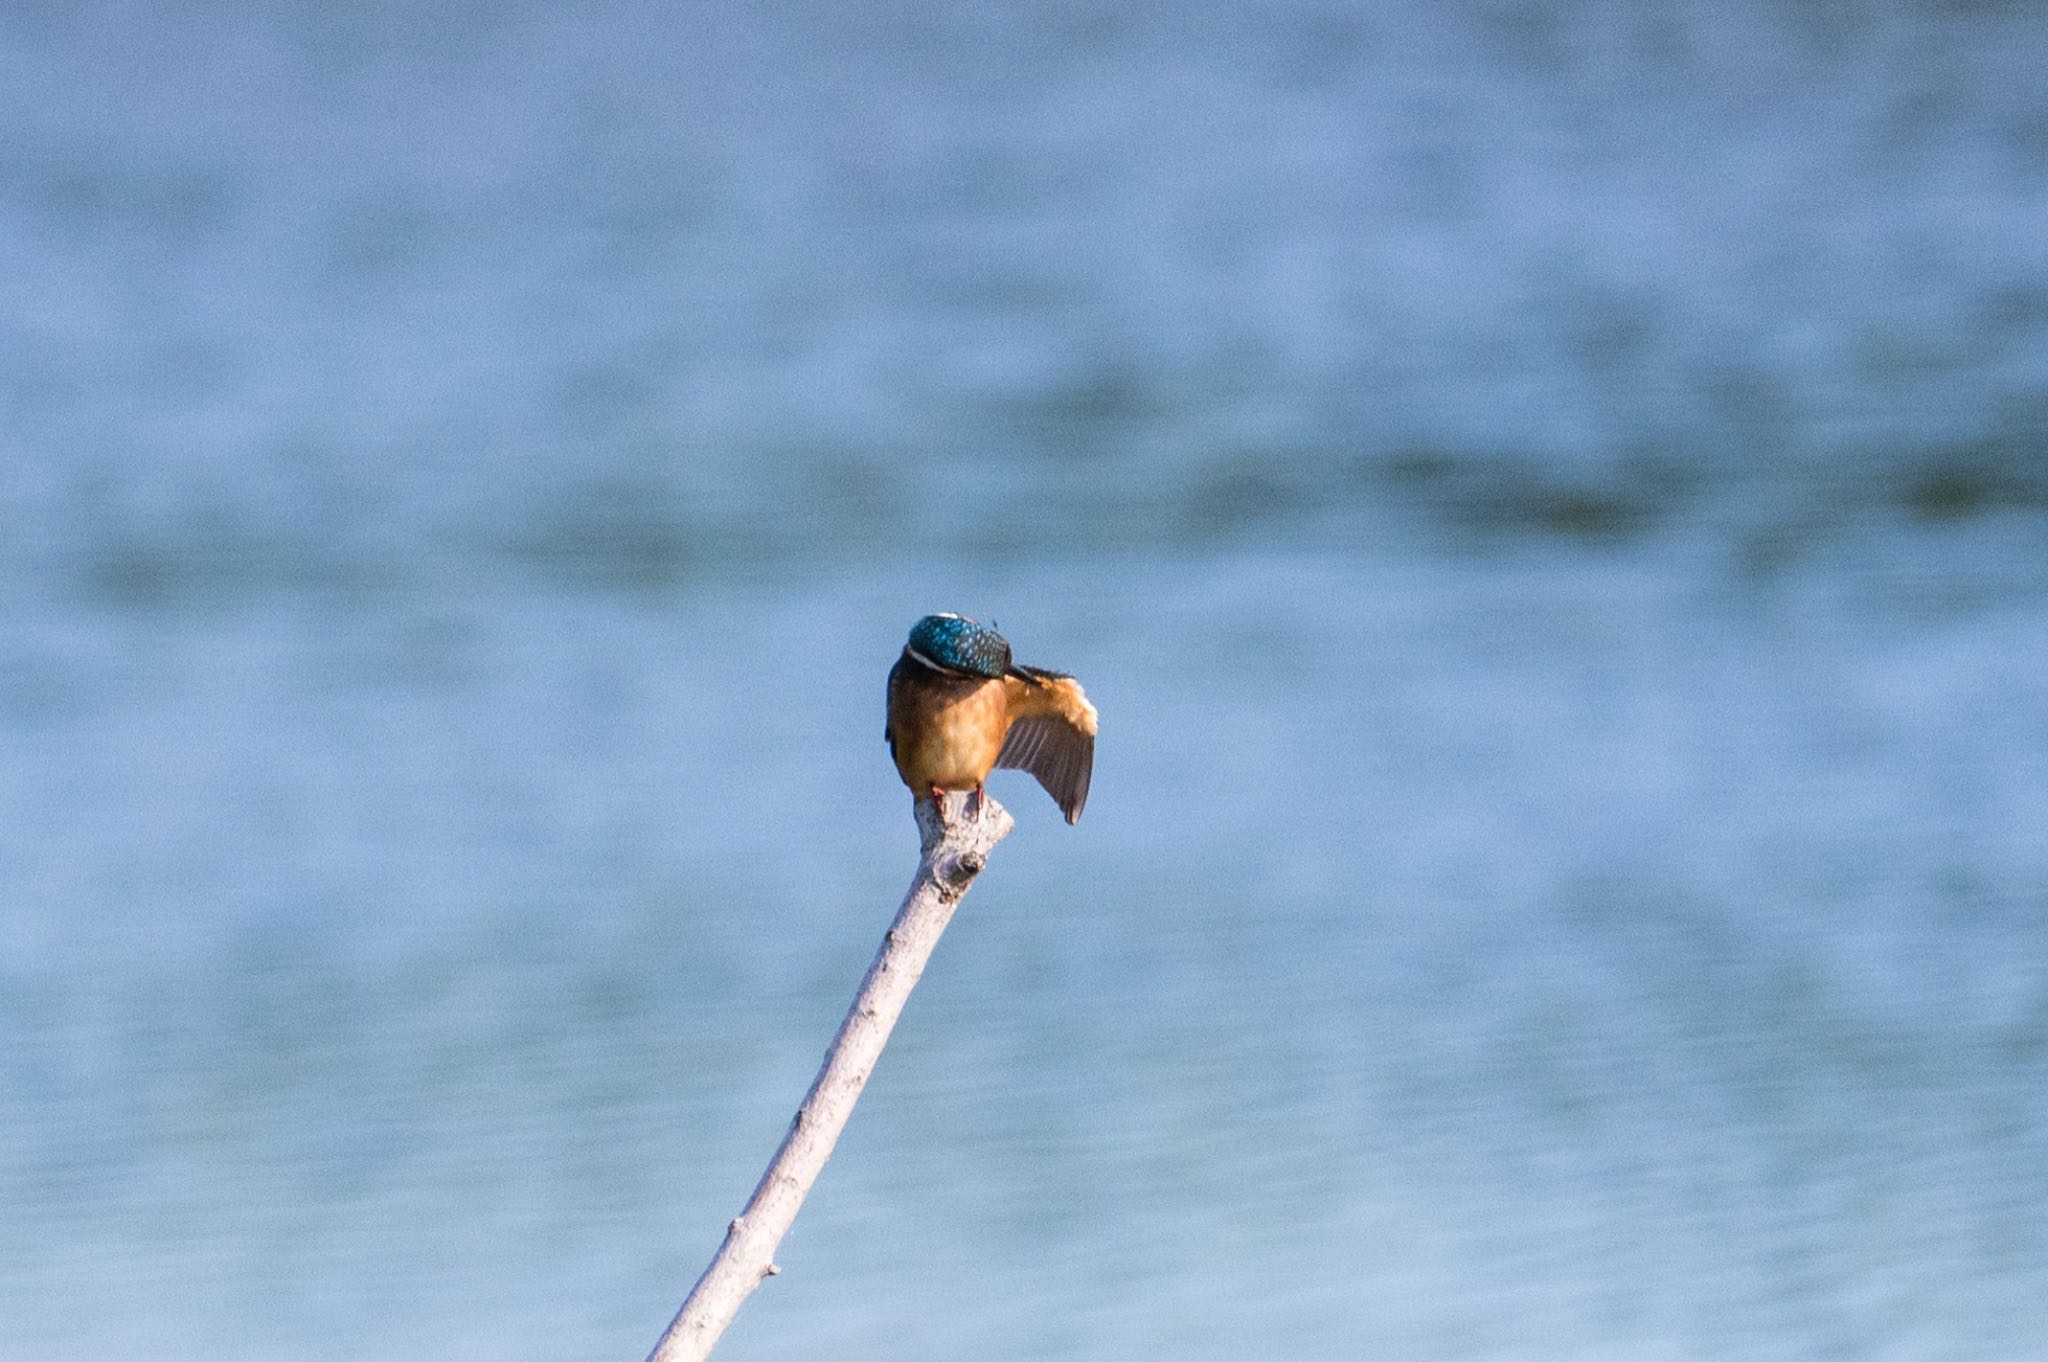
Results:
<point x="955" y="643"/>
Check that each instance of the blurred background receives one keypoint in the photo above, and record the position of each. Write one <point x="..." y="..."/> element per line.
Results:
<point x="1551" y="501"/>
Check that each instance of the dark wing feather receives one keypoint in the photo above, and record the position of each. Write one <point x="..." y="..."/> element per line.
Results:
<point x="1060" y="755"/>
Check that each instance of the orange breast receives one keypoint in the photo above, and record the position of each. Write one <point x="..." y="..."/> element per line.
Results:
<point x="949" y="740"/>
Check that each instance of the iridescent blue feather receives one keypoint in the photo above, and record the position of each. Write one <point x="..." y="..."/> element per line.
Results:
<point x="958" y="644"/>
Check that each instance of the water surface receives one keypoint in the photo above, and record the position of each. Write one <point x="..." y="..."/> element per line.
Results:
<point x="1548" y="500"/>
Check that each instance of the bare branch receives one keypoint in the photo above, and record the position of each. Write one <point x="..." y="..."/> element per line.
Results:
<point x="953" y="854"/>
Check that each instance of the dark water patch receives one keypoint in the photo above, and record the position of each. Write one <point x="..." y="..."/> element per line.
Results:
<point x="1780" y="518"/>
<point x="623" y="534"/>
<point x="217" y="565"/>
<point x="1504" y="496"/>
<point x="1080" y="414"/>
<point x="667" y="517"/>
<point x="1782" y="542"/>
<point x="1751" y="400"/>
<point x="381" y="239"/>
<point x="1973" y="480"/>
<point x="72" y="194"/>
<point x="37" y="689"/>
<point x="1237" y="494"/>
<point x="2015" y="307"/>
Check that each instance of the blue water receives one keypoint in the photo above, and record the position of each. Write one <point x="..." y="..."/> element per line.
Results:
<point x="1550" y="501"/>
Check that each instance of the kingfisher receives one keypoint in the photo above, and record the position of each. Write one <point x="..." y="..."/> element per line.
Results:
<point x="960" y="707"/>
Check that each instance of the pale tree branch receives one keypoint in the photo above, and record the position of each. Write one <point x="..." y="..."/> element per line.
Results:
<point x="954" y="852"/>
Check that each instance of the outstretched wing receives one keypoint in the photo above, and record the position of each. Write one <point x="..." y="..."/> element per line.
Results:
<point x="1052" y="735"/>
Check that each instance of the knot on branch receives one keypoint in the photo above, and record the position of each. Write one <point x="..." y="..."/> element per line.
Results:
<point x="954" y="874"/>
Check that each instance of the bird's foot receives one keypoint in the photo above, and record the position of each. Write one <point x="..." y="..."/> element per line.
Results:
<point x="976" y="802"/>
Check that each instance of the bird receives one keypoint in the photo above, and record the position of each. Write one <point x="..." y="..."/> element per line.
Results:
<point x="959" y="707"/>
